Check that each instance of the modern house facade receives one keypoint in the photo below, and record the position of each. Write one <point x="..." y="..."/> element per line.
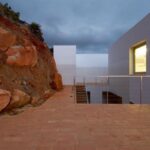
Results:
<point x="130" y="56"/>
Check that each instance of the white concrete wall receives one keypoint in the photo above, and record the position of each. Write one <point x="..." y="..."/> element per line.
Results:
<point x="65" y="57"/>
<point x="119" y="62"/>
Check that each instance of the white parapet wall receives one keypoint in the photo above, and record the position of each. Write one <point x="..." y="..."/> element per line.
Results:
<point x="65" y="57"/>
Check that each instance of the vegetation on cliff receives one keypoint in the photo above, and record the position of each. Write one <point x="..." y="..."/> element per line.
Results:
<point x="36" y="30"/>
<point x="7" y="11"/>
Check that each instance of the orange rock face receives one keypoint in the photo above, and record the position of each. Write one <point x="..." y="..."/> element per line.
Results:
<point x="18" y="99"/>
<point x="27" y="65"/>
<point x="7" y="39"/>
<point x="47" y="94"/>
<point x="34" y="101"/>
<point x="4" y="98"/>
<point x="22" y="56"/>
<point x="57" y="82"/>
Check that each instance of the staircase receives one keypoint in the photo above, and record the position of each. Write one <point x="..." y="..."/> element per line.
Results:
<point x="111" y="98"/>
<point x="81" y="96"/>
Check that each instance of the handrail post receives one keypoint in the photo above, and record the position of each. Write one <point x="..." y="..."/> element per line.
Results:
<point x="141" y="89"/>
<point x="107" y="89"/>
<point x="74" y="85"/>
<point x="84" y="80"/>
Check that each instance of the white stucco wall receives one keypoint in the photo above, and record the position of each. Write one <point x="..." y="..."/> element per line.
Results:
<point x="65" y="57"/>
<point x="119" y="62"/>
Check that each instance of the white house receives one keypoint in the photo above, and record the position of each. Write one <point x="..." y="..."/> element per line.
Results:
<point x="130" y="55"/>
<point x="65" y="57"/>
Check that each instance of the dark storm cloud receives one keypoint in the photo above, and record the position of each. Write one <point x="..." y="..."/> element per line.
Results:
<point x="92" y="25"/>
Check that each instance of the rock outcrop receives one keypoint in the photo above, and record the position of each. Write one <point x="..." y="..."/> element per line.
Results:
<point x="18" y="99"/>
<point x="22" y="56"/>
<point x="57" y="82"/>
<point x="4" y="99"/>
<point x="28" y="70"/>
<point x="7" y="39"/>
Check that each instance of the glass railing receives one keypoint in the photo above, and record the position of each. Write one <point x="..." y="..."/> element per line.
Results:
<point x="116" y="89"/>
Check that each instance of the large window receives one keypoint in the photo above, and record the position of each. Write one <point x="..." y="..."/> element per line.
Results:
<point x="140" y="65"/>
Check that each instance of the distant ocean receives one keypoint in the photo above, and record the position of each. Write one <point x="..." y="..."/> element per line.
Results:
<point x="90" y="74"/>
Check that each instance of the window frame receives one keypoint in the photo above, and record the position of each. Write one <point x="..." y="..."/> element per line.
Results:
<point x="134" y="49"/>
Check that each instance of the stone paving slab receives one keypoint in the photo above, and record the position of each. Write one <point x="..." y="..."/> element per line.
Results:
<point x="60" y="124"/>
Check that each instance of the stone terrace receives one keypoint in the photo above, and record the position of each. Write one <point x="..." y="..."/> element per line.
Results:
<point x="60" y="124"/>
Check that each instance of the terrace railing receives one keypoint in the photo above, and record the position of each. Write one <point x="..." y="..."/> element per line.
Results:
<point x="130" y="89"/>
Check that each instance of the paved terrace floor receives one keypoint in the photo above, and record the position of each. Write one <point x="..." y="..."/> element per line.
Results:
<point x="60" y="124"/>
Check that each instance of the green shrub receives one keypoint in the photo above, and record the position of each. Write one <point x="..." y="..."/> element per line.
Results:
<point x="36" y="30"/>
<point x="7" y="11"/>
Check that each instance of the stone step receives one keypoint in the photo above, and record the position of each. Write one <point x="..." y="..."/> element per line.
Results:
<point x="81" y="94"/>
<point x="84" y="96"/>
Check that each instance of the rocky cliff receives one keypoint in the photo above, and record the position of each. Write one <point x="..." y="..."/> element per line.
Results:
<point x="28" y="72"/>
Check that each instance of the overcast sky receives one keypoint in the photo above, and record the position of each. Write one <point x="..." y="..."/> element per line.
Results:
<point x="92" y="25"/>
<point x="92" y="60"/>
